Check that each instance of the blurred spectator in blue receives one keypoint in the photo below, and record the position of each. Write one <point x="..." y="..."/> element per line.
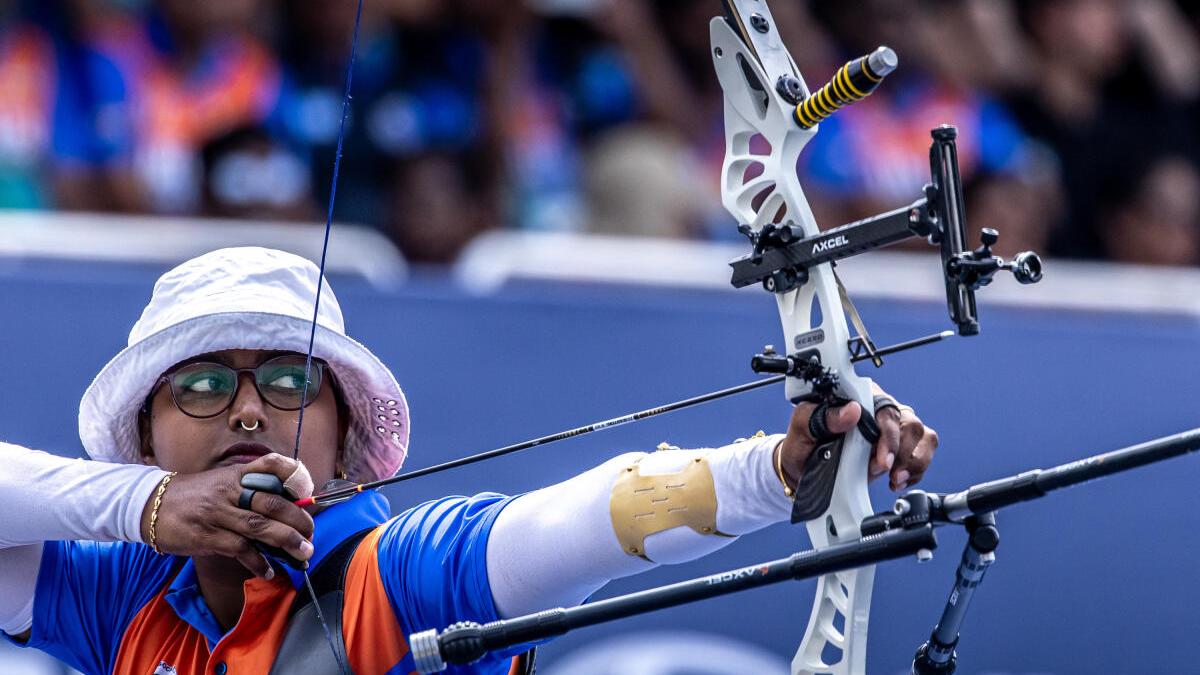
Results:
<point x="163" y="83"/>
<point x="417" y="87"/>
<point x="445" y="193"/>
<point x="566" y="83"/>
<point x="1114" y="84"/>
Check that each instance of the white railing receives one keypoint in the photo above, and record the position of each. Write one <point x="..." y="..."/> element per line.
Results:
<point x="354" y="249"/>
<point x="497" y="258"/>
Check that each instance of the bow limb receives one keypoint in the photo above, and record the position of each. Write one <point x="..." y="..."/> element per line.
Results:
<point x="760" y="189"/>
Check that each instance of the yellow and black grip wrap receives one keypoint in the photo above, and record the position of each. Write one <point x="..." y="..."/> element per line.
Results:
<point x="852" y="82"/>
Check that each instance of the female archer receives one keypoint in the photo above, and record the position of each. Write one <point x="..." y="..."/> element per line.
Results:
<point x="149" y="558"/>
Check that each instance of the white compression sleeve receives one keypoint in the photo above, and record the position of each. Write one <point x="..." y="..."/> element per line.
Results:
<point x="51" y="498"/>
<point x="555" y="546"/>
<point x="54" y="498"/>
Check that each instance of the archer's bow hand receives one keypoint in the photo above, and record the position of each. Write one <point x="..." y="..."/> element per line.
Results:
<point x="198" y="515"/>
<point x="905" y="447"/>
<point x="904" y="450"/>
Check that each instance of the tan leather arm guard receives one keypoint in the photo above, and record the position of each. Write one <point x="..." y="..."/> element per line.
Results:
<point x="644" y="505"/>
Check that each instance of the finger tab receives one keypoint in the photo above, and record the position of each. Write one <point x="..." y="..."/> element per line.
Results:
<point x="300" y="483"/>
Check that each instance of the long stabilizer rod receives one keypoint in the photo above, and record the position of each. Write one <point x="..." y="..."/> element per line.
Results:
<point x="993" y="495"/>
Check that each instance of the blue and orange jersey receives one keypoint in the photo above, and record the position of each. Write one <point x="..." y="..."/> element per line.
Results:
<point x="120" y="608"/>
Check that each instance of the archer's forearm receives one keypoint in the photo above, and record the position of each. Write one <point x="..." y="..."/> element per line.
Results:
<point x="556" y="546"/>
<point x="50" y="498"/>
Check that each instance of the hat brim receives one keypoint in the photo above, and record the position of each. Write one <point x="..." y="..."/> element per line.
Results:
<point x="376" y="440"/>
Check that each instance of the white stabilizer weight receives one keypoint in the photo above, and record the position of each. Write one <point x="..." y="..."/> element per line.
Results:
<point x="427" y="656"/>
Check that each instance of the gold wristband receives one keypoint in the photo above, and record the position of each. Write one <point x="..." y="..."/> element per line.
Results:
<point x="158" y="495"/>
<point x="787" y="491"/>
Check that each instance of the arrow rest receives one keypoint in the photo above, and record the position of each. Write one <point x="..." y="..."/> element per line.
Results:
<point x="805" y="366"/>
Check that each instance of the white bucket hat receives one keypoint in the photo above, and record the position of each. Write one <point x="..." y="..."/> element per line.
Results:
<point x="245" y="298"/>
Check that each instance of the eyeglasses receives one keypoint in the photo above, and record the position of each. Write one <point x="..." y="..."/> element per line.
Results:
<point x="205" y="389"/>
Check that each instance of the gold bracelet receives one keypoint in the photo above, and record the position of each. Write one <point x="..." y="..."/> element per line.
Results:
<point x="158" y="495"/>
<point x="787" y="491"/>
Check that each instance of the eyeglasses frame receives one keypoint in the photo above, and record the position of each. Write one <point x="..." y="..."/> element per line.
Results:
<point x="318" y="365"/>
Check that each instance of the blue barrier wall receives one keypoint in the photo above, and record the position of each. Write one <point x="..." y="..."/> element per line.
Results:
<point x="1094" y="580"/>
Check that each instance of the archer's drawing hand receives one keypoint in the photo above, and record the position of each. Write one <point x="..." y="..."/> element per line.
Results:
<point x="199" y="515"/>
<point x="904" y="450"/>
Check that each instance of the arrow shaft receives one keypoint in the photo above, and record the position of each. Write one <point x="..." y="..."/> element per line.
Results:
<point x="345" y="493"/>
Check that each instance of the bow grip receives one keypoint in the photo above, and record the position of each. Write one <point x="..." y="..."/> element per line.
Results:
<point x="815" y="489"/>
<point x="264" y="482"/>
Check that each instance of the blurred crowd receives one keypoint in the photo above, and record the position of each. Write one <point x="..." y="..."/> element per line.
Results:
<point x="1079" y="125"/>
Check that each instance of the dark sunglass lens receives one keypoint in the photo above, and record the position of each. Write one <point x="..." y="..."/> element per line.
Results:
<point x="281" y="382"/>
<point x="203" y="389"/>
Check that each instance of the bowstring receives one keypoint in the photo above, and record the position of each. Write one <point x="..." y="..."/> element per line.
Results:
<point x="337" y="165"/>
<point x="312" y="334"/>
